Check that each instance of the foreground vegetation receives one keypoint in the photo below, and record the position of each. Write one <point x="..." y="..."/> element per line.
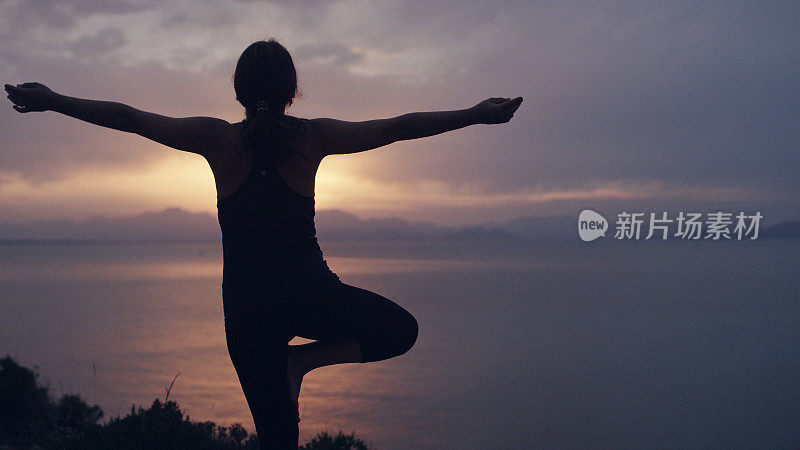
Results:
<point x="30" y="418"/>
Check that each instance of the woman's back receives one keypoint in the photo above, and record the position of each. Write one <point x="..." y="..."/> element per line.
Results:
<point x="270" y="250"/>
<point x="231" y="167"/>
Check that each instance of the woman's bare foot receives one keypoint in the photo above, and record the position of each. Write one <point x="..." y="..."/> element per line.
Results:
<point x="304" y="358"/>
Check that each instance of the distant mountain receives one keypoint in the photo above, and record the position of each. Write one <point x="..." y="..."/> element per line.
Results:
<point x="175" y="224"/>
<point x="337" y="224"/>
<point x="171" y="224"/>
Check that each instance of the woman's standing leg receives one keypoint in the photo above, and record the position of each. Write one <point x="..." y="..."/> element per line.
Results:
<point x="259" y="352"/>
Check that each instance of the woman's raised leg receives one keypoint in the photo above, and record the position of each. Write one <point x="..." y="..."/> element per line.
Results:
<point x="351" y="325"/>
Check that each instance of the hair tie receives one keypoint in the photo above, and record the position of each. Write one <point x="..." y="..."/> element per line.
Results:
<point x="263" y="106"/>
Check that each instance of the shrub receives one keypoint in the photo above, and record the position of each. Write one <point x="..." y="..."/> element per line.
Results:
<point x="28" y="417"/>
<point x="324" y="441"/>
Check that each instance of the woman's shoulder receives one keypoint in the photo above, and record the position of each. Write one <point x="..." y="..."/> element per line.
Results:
<point x="307" y="137"/>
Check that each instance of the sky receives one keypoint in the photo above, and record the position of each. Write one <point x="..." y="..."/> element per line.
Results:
<point x="629" y="106"/>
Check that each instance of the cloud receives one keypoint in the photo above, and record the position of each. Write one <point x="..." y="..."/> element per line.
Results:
<point x="690" y="95"/>
<point x="48" y="146"/>
<point x="103" y="42"/>
<point x="684" y="94"/>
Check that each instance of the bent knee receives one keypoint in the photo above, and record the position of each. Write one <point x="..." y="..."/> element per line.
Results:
<point x="392" y="337"/>
<point x="409" y="330"/>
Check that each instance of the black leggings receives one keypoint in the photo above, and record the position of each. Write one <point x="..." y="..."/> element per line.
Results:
<point x="258" y="347"/>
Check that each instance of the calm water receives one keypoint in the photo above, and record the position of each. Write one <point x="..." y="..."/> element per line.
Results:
<point x="636" y="344"/>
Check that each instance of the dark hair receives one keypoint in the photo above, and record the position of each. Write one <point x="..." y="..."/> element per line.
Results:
<point x="265" y="82"/>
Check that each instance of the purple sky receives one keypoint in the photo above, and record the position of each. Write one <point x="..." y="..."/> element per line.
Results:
<point x="637" y="106"/>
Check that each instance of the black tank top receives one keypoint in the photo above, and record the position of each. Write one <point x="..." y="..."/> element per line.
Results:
<point x="270" y="251"/>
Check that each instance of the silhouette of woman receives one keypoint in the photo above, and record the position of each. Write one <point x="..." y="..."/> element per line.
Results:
<point x="276" y="284"/>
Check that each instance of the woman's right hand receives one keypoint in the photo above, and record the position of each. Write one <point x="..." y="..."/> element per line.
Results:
<point x="29" y="97"/>
<point x="496" y="109"/>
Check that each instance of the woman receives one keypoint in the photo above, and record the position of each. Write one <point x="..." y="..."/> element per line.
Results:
<point x="276" y="285"/>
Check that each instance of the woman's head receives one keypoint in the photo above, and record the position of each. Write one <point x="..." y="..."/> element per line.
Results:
<point x="265" y="75"/>
<point x="265" y="72"/>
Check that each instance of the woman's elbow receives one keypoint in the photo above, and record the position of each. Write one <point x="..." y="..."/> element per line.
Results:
<point x="402" y="129"/>
<point x="121" y="118"/>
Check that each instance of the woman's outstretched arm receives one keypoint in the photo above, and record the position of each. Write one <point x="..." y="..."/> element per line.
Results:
<point x="191" y="134"/>
<point x="341" y="137"/>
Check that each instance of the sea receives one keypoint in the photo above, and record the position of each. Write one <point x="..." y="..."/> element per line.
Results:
<point x="533" y="344"/>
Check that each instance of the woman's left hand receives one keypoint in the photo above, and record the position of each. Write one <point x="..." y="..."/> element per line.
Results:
<point x="496" y="109"/>
<point x="29" y="97"/>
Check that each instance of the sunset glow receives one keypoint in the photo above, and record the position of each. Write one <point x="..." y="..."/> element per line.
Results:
<point x="587" y="238"/>
<point x="572" y="142"/>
